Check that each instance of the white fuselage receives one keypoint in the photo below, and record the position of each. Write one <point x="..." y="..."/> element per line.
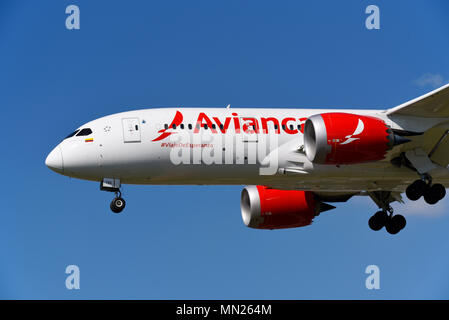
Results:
<point x="231" y="146"/>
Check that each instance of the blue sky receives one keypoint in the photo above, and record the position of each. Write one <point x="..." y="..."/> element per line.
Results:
<point x="189" y="242"/>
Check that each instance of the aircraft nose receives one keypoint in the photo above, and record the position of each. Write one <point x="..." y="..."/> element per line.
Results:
<point x="54" y="160"/>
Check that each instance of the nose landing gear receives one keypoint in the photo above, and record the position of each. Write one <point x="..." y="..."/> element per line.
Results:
<point x="113" y="185"/>
<point x="118" y="203"/>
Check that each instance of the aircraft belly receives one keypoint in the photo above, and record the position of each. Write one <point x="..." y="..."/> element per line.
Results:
<point x="349" y="179"/>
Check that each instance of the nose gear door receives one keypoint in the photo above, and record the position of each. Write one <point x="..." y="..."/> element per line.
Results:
<point x="131" y="130"/>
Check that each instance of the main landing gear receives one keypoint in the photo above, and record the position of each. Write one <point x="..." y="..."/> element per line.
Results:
<point x="392" y="223"/>
<point x="432" y="193"/>
<point x="113" y="185"/>
<point x="419" y="161"/>
<point x="385" y="217"/>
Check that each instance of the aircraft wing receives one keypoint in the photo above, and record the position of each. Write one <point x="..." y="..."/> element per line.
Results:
<point x="430" y="113"/>
<point x="434" y="104"/>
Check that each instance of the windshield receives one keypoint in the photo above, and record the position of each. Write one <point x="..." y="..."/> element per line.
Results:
<point x="72" y="134"/>
<point x="84" y="132"/>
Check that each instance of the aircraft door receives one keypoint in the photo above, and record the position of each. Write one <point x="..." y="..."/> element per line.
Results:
<point x="131" y="130"/>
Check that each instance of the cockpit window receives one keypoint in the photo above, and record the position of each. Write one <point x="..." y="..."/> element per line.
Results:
<point x="72" y="134"/>
<point x="84" y="132"/>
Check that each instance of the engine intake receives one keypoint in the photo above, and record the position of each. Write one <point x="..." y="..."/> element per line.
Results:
<point x="345" y="138"/>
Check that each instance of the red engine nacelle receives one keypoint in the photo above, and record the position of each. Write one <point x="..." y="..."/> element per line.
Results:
<point x="345" y="138"/>
<point x="266" y="208"/>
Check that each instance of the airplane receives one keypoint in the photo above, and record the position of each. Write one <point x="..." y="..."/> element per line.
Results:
<point x="292" y="162"/>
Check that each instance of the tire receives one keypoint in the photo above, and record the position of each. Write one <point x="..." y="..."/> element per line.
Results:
<point x="400" y="221"/>
<point x="432" y="195"/>
<point x="378" y="220"/>
<point x="395" y="224"/>
<point x="117" y="205"/>
<point x="416" y="190"/>
<point x="438" y="190"/>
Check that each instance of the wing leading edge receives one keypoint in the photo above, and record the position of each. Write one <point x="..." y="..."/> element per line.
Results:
<point x="434" y="104"/>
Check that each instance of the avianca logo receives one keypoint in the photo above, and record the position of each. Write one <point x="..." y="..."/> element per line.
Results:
<point x="177" y="120"/>
<point x="357" y="131"/>
<point x="248" y="125"/>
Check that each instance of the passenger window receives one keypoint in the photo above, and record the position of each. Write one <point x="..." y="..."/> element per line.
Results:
<point x="190" y="126"/>
<point x="205" y="126"/>
<point x="84" y="132"/>
<point x="221" y="126"/>
<point x="166" y="126"/>
<point x="182" y="125"/>
<point x="299" y="127"/>
<point x="174" y="126"/>
<point x="276" y="127"/>
<point x="213" y="125"/>
<point x="291" y="127"/>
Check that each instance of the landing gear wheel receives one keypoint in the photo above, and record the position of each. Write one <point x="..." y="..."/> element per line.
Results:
<point x="395" y="224"/>
<point x="416" y="190"/>
<point x="440" y="190"/>
<point x="434" y="193"/>
<point x="118" y="204"/>
<point x="430" y="198"/>
<point x="378" y="220"/>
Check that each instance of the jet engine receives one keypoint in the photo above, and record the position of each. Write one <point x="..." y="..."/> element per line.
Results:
<point x="266" y="208"/>
<point x="345" y="138"/>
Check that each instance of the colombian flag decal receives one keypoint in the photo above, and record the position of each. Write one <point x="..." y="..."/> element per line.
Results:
<point x="89" y="140"/>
